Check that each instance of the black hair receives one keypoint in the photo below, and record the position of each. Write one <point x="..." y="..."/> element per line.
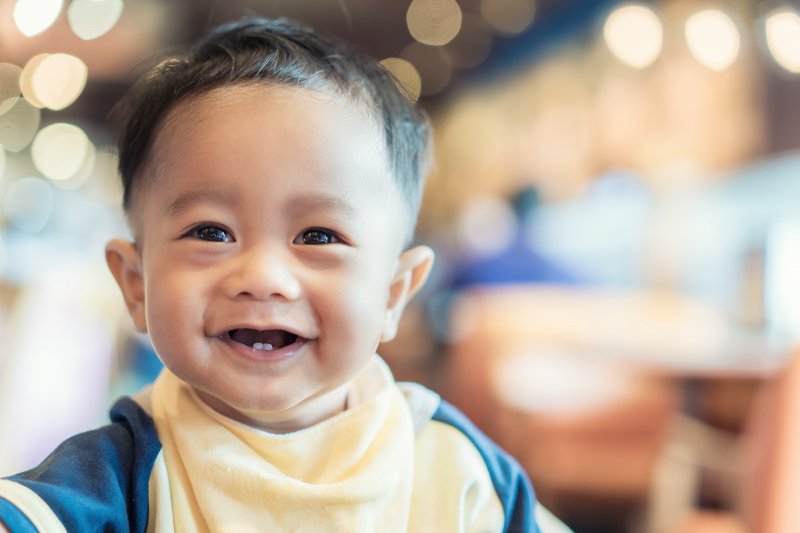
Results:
<point x="279" y="52"/>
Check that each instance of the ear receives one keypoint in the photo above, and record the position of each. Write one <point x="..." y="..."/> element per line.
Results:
<point x="125" y="263"/>
<point x="413" y="268"/>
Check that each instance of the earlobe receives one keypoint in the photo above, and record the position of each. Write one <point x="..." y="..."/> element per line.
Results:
<point x="413" y="268"/>
<point x="124" y="262"/>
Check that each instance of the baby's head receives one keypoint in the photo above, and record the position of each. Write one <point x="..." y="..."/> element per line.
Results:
<point x="272" y="179"/>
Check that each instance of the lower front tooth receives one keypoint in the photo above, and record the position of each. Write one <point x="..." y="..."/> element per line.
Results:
<point x="262" y="346"/>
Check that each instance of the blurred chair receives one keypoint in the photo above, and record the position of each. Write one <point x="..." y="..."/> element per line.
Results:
<point x="563" y="378"/>
<point x="766" y="463"/>
<point x="589" y="432"/>
<point x="772" y="455"/>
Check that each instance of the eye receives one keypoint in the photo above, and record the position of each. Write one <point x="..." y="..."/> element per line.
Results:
<point x="316" y="236"/>
<point x="211" y="234"/>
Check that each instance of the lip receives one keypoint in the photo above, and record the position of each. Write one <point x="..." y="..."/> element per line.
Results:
<point x="258" y="326"/>
<point x="253" y="354"/>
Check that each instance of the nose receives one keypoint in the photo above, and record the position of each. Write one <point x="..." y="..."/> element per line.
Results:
<point x="263" y="273"/>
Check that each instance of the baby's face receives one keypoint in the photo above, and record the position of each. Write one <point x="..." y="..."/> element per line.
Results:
<point x="269" y="239"/>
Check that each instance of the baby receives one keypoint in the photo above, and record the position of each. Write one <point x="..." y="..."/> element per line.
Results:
<point x="272" y="180"/>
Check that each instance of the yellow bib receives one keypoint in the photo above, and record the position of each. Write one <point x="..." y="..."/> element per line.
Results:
<point x="352" y="472"/>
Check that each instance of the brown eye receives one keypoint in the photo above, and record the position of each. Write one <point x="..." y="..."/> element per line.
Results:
<point x="318" y="236"/>
<point x="212" y="234"/>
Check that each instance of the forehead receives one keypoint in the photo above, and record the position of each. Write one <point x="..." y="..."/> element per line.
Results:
<point x="268" y="136"/>
<point x="265" y="114"/>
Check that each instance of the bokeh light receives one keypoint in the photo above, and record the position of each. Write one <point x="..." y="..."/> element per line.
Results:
<point x="26" y="79"/>
<point x="60" y="150"/>
<point x="9" y="80"/>
<point x="434" y="22"/>
<point x="58" y="80"/>
<point x="32" y="17"/>
<point x="634" y="34"/>
<point x="28" y="204"/>
<point x="713" y="39"/>
<point x="782" y="29"/>
<point x="84" y="172"/>
<point x="90" y="19"/>
<point x="19" y="121"/>
<point x="433" y="65"/>
<point x="406" y="75"/>
<point x="472" y="44"/>
<point x="508" y="16"/>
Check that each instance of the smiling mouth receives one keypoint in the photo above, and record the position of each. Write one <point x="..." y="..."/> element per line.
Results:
<point x="265" y="340"/>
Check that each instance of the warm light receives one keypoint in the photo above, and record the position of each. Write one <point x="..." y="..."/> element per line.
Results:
<point x="783" y="38"/>
<point x="84" y="172"/>
<point x="472" y="44"/>
<point x="19" y="121"/>
<point x="90" y="19"/>
<point x="433" y="65"/>
<point x="634" y="35"/>
<point x="713" y="39"/>
<point x="9" y="80"/>
<point x="406" y="75"/>
<point x="26" y="79"/>
<point x="60" y="150"/>
<point x="434" y="22"/>
<point x="34" y="16"/>
<point x="58" y="80"/>
<point x="28" y="204"/>
<point x="508" y="16"/>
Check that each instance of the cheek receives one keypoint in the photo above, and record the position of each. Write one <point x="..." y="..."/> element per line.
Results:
<point x="171" y="301"/>
<point x="355" y="306"/>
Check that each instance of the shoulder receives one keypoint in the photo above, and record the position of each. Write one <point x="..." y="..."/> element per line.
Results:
<point x="96" y="479"/>
<point x="509" y="479"/>
<point x="451" y="442"/>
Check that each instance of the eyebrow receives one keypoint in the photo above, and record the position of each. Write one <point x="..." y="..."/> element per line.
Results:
<point x="321" y="202"/>
<point x="188" y="199"/>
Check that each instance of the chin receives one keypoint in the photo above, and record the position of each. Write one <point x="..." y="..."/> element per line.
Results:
<point x="261" y="406"/>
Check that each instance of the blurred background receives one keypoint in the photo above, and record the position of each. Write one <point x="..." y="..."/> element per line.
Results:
<point x="614" y="208"/>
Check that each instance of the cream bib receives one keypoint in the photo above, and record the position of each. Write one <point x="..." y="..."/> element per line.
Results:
<point x="352" y="472"/>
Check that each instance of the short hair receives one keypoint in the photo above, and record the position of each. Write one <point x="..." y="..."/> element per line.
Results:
<point x="275" y="52"/>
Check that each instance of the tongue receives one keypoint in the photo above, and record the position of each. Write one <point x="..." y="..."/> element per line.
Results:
<point x="276" y="337"/>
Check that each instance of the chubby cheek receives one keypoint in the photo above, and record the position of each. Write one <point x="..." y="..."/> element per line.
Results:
<point x="352" y="316"/>
<point x="174" y="313"/>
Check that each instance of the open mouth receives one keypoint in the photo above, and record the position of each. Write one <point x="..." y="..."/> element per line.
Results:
<point x="266" y="340"/>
